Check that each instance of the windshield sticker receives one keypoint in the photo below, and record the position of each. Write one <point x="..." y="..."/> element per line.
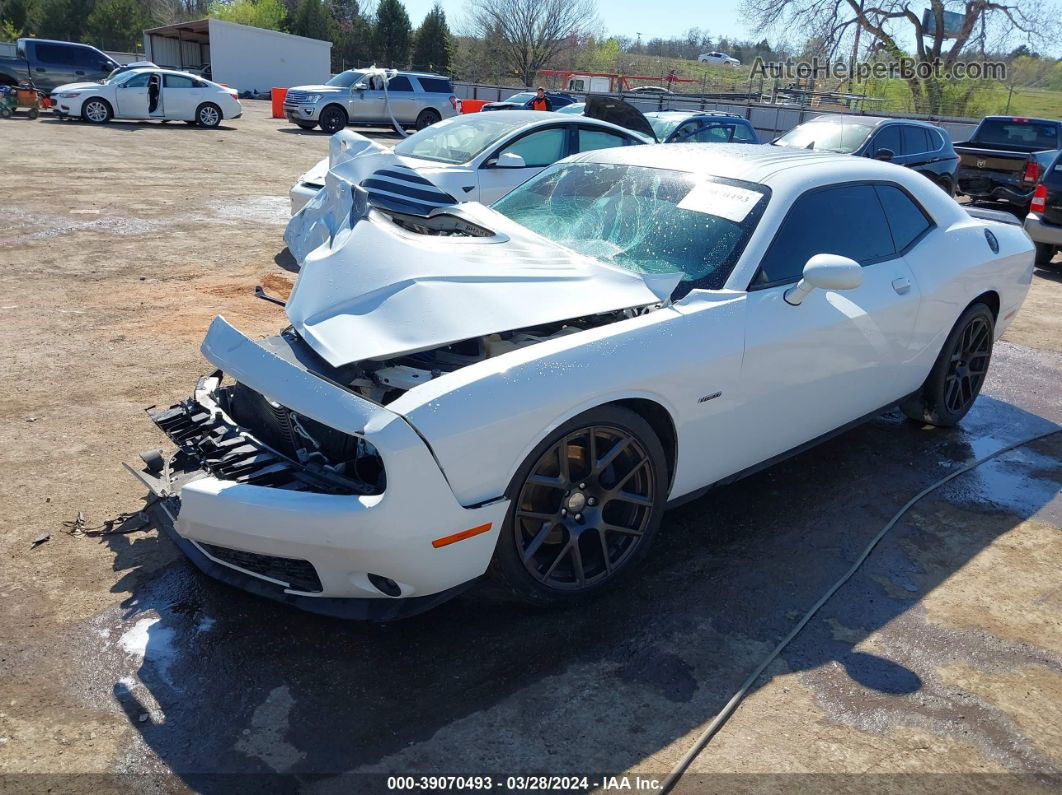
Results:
<point x="724" y="201"/>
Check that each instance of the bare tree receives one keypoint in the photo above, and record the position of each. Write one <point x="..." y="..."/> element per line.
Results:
<point x="891" y="23"/>
<point x="532" y="32"/>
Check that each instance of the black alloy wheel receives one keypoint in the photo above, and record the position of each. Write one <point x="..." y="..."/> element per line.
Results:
<point x="587" y="504"/>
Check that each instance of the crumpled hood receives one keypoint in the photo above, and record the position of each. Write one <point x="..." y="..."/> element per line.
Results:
<point x="352" y="159"/>
<point x="378" y="290"/>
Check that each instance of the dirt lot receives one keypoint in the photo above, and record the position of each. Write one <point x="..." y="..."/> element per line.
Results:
<point x="120" y="243"/>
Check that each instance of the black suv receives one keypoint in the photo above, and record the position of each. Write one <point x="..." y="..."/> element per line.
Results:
<point x="918" y="145"/>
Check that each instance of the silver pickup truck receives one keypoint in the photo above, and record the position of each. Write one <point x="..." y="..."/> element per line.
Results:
<point x="416" y="100"/>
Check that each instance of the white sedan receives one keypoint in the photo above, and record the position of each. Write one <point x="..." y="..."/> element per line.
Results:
<point x="718" y="58"/>
<point x="149" y="93"/>
<point x="475" y="157"/>
<point x="523" y="389"/>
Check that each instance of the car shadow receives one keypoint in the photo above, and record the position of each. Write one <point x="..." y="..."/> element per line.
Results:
<point x="286" y="260"/>
<point x="1053" y="273"/>
<point x="136" y="126"/>
<point x="232" y="684"/>
<point x="378" y="133"/>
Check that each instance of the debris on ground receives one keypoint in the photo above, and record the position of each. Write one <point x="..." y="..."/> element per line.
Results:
<point x="40" y="540"/>
<point x="128" y="522"/>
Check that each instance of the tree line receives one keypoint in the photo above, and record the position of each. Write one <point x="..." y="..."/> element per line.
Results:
<point x="360" y="35"/>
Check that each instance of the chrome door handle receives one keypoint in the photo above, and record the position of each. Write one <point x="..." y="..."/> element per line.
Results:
<point x="902" y="285"/>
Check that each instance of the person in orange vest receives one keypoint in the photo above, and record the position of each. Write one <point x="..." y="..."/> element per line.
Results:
<point x="541" y="101"/>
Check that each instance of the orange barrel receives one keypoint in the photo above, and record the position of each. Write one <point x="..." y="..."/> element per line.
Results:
<point x="278" y="102"/>
<point x="472" y="105"/>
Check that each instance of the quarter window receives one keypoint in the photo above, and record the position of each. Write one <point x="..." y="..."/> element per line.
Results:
<point x="846" y="220"/>
<point x="540" y="149"/>
<point x="906" y="219"/>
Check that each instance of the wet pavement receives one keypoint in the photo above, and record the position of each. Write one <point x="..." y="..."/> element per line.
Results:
<point x="926" y="648"/>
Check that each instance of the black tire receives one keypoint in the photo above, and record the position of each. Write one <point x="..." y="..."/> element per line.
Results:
<point x="958" y="373"/>
<point x="570" y="535"/>
<point x="96" y="111"/>
<point x="333" y="119"/>
<point x="208" y="115"/>
<point x="33" y="113"/>
<point x="5" y="113"/>
<point x="306" y="125"/>
<point x="427" y="118"/>
<point x="1045" y="252"/>
<point x="946" y="185"/>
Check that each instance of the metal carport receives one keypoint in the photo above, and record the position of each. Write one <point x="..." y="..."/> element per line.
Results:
<point x="241" y="56"/>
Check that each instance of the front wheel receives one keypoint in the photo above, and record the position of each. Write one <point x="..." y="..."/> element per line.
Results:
<point x="96" y="111"/>
<point x="208" y="115"/>
<point x="585" y="505"/>
<point x="427" y="118"/>
<point x="958" y="374"/>
<point x="333" y="119"/>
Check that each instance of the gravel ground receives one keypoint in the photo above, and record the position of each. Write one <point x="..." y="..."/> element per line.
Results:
<point x="938" y="667"/>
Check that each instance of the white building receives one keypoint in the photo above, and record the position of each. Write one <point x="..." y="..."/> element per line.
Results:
<point x="243" y="57"/>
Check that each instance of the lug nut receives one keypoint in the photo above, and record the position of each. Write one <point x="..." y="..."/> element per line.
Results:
<point x="591" y="502"/>
<point x="578" y="517"/>
<point x="582" y="485"/>
<point x="564" y="511"/>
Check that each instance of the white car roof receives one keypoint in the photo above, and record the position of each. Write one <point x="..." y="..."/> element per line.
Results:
<point x="524" y="119"/>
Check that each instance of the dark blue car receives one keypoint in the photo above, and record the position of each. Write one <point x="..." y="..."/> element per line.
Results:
<point x="700" y="127"/>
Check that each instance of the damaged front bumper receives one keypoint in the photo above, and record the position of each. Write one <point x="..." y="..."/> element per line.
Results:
<point x="247" y="514"/>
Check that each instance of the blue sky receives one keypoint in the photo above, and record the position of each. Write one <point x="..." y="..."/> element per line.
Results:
<point x="628" y="17"/>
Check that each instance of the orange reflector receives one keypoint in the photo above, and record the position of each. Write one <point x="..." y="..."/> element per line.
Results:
<point x="475" y="531"/>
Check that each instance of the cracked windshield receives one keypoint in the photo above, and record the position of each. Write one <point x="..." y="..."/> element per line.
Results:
<point x="646" y="220"/>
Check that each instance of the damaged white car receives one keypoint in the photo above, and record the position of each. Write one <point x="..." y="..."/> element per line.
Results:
<point x="524" y="389"/>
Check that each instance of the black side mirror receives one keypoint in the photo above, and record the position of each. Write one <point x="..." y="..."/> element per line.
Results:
<point x="884" y="154"/>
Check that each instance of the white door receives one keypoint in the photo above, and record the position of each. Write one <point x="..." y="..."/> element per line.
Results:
<point x="131" y="97"/>
<point x="181" y="96"/>
<point x="840" y="355"/>
<point x="539" y="148"/>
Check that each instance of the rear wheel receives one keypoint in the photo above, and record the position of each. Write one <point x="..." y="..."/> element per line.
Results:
<point x="1044" y="254"/>
<point x="585" y="505"/>
<point x="959" y="372"/>
<point x="333" y="119"/>
<point x="208" y="115"/>
<point x="946" y="185"/>
<point x="427" y="118"/>
<point x="96" y="111"/>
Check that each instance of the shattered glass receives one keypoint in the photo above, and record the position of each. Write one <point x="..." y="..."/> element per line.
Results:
<point x="632" y="217"/>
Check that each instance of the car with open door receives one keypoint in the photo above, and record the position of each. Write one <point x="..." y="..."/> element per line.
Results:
<point x="918" y="145"/>
<point x="476" y="157"/>
<point x="148" y="94"/>
<point x="520" y="391"/>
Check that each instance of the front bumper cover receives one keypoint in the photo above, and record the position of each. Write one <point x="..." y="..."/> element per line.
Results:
<point x="224" y="493"/>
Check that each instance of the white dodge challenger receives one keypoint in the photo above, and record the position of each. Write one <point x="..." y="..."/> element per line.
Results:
<point x="522" y="390"/>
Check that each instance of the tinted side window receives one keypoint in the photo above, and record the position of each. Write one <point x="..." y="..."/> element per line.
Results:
<point x="906" y="219"/>
<point x="846" y="220"/>
<point x="436" y="85"/>
<point x="55" y="53"/>
<point x="888" y="138"/>
<point x="138" y="80"/>
<point x="178" y="81"/>
<point x="89" y="59"/>
<point x="745" y="135"/>
<point x="541" y="148"/>
<point x="399" y="83"/>
<point x="599" y="139"/>
<point x="915" y="140"/>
